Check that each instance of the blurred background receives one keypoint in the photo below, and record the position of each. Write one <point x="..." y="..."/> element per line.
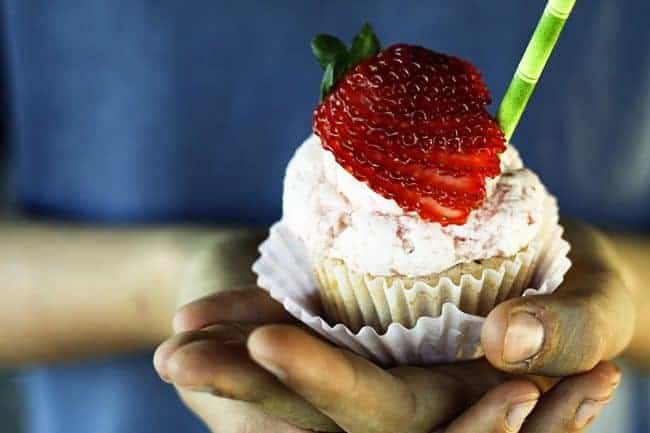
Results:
<point x="117" y="111"/>
<point x="9" y="400"/>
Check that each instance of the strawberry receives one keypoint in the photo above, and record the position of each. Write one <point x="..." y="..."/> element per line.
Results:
<point x="412" y="124"/>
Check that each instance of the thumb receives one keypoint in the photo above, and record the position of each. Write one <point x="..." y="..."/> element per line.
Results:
<point x="588" y="320"/>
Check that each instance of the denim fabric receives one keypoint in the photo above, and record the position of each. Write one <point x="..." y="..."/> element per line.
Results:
<point x="166" y="110"/>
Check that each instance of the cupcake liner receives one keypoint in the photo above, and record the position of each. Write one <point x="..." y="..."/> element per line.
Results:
<point x="447" y="335"/>
<point x="356" y="299"/>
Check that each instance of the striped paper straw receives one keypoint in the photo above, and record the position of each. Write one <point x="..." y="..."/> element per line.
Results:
<point x="532" y="64"/>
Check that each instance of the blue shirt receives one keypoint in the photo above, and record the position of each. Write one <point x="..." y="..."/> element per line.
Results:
<point x="128" y="111"/>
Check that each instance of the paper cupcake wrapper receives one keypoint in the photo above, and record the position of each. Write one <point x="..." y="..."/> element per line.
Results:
<point x="357" y="300"/>
<point x="285" y="271"/>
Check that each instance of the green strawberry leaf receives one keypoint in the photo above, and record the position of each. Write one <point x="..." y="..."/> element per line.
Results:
<point x="364" y="45"/>
<point x="328" y="81"/>
<point x="336" y="60"/>
<point x="328" y="49"/>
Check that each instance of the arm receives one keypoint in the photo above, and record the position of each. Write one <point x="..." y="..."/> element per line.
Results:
<point x="634" y="261"/>
<point x="72" y="292"/>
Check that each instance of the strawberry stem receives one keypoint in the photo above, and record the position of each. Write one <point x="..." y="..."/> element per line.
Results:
<point x="532" y="64"/>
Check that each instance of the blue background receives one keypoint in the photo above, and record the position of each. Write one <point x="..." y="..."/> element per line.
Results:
<point x="129" y="111"/>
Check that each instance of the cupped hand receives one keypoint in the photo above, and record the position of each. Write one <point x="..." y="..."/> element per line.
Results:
<point x="589" y="318"/>
<point x="302" y="383"/>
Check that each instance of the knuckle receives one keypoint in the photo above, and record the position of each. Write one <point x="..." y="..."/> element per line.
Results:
<point x="575" y="338"/>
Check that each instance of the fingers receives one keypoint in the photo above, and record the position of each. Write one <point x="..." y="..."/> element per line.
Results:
<point x="516" y="406"/>
<point x="574" y="403"/>
<point x="219" y="334"/>
<point x="502" y="410"/>
<point x="216" y="361"/>
<point x="358" y="395"/>
<point x="230" y="416"/>
<point x="252" y="305"/>
<point x="342" y="385"/>
<point x="590" y="318"/>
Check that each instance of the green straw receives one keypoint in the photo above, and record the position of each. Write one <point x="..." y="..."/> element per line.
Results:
<point x="532" y="64"/>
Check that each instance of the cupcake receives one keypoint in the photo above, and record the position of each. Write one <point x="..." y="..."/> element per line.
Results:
<point x="406" y="196"/>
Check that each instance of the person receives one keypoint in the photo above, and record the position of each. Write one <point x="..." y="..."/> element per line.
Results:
<point x="146" y="113"/>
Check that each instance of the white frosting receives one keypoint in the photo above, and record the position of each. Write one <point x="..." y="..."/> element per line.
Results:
<point x="337" y="216"/>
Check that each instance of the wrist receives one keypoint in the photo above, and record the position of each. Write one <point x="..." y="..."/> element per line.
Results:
<point x="633" y="252"/>
<point x="195" y="262"/>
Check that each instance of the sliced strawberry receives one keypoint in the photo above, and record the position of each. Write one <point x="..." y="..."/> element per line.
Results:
<point x="412" y="124"/>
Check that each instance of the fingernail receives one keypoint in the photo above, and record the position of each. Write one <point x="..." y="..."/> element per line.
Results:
<point x="273" y="368"/>
<point x="264" y="353"/>
<point x="517" y="415"/>
<point x="524" y="338"/>
<point x="616" y="379"/>
<point x="587" y="411"/>
<point x="202" y="389"/>
<point x="165" y="378"/>
<point x="179" y="323"/>
<point x="160" y="358"/>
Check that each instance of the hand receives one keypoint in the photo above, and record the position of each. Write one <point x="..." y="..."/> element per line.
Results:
<point x="285" y="372"/>
<point x="221" y="262"/>
<point x="589" y="318"/>
<point x="593" y="292"/>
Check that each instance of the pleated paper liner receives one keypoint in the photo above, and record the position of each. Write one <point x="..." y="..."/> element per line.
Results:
<point x="356" y="299"/>
<point x="443" y="333"/>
